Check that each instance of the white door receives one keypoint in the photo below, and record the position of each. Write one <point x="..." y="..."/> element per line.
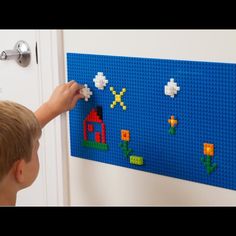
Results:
<point x="30" y="86"/>
<point x="96" y="183"/>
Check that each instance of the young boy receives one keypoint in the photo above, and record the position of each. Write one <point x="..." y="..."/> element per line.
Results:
<point x="20" y="130"/>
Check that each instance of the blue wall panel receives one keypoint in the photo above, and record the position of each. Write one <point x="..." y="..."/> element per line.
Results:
<point x="205" y="108"/>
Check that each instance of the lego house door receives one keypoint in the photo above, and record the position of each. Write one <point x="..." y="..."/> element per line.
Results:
<point x="149" y="131"/>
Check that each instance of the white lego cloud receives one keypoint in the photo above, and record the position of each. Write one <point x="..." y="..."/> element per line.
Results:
<point x="86" y="92"/>
<point x="171" y="89"/>
<point x="100" y="81"/>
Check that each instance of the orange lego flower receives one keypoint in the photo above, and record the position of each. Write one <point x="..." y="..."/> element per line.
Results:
<point x="125" y="135"/>
<point x="172" y="121"/>
<point x="208" y="149"/>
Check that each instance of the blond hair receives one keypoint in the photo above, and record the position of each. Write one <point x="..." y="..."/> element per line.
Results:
<point x="19" y="129"/>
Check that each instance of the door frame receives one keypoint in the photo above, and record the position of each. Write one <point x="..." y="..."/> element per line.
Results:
<point x="51" y="71"/>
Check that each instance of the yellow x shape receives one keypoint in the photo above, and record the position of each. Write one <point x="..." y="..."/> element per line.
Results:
<point x="118" y="98"/>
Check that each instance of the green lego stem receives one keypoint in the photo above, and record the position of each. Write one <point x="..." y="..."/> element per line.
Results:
<point x="208" y="165"/>
<point x="172" y="130"/>
<point x="125" y="149"/>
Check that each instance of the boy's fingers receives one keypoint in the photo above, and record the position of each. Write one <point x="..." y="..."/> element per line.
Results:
<point x="70" y="83"/>
<point x="80" y="96"/>
<point x="75" y="87"/>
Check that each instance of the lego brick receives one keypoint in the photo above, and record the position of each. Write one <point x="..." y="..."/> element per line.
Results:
<point x="125" y="149"/>
<point x="95" y="116"/>
<point x="136" y="160"/>
<point x="85" y="130"/>
<point x="205" y="105"/>
<point x="125" y="135"/>
<point x="96" y="145"/>
<point x="173" y="122"/>
<point x="210" y="167"/>
<point x="99" y="112"/>
<point x="208" y="149"/>
<point x="98" y="137"/>
<point x="100" y="81"/>
<point x="171" y="89"/>
<point x="103" y="133"/>
<point x="90" y="127"/>
<point x="117" y="98"/>
<point x="86" y="92"/>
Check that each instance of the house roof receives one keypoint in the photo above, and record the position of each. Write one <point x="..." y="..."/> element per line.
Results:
<point x="93" y="117"/>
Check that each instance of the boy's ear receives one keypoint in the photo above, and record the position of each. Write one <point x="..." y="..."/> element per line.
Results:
<point x="19" y="171"/>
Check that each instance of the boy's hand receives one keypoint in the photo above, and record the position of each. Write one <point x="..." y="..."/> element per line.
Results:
<point x="65" y="97"/>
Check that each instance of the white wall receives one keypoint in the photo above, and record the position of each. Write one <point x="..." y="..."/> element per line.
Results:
<point x="94" y="183"/>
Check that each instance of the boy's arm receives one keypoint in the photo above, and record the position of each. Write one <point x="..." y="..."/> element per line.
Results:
<point x="63" y="98"/>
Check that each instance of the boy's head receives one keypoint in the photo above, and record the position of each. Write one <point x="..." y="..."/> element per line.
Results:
<point x="19" y="134"/>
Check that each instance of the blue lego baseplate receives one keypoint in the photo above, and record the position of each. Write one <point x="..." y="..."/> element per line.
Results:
<point x="205" y="108"/>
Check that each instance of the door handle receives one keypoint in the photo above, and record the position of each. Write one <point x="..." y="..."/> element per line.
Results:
<point x="21" y="54"/>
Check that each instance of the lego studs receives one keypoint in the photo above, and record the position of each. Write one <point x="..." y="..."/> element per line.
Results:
<point x="118" y="98"/>
<point x="208" y="151"/>
<point x="171" y="88"/>
<point x="173" y="122"/>
<point x="86" y="92"/>
<point x="100" y="81"/>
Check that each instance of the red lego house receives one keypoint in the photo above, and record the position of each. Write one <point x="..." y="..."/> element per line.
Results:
<point x="98" y="139"/>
